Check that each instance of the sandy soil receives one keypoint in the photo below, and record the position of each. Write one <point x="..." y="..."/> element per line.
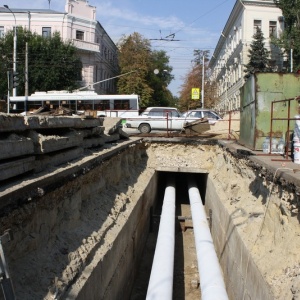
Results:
<point x="261" y="211"/>
<point x="75" y="223"/>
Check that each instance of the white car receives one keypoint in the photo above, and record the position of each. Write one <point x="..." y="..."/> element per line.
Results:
<point x="168" y="118"/>
<point x="156" y="118"/>
<point x="202" y="113"/>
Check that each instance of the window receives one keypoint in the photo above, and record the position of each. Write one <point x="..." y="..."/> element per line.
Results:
<point x="46" y="31"/>
<point x="257" y="24"/>
<point x="103" y="105"/>
<point x="161" y="112"/>
<point x="121" y="104"/>
<point x="272" y="28"/>
<point x="1" y="31"/>
<point x="79" y="35"/>
<point x="209" y="114"/>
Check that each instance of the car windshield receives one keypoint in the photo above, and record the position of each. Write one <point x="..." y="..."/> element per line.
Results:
<point x="209" y="114"/>
<point x="201" y="114"/>
<point x="192" y="114"/>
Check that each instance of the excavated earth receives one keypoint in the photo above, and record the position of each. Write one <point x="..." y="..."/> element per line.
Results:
<point x="65" y="218"/>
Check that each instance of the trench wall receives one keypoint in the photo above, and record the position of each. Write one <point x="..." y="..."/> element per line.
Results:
<point x="78" y="232"/>
<point x="242" y="277"/>
<point x="81" y="229"/>
<point x="112" y="276"/>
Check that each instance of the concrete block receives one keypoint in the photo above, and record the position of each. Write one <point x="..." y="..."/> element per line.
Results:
<point x="16" y="167"/>
<point x="39" y="122"/>
<point x="15" y="146"/>
<point x="52" y="143"/>
<point x="196" y="127"/>
<point x="10" y="122"/>
<point x="96" y="131"/>
<point x="93" y="142"/>
<point x="112" y="125"/>
<point x="111" y="138"/>
<point x="45" y="161"/>
<point x="92" y="132"/>
<point x="122" y="133"/>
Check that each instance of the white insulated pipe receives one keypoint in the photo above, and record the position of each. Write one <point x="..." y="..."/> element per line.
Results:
<point x="211" y="276"/>
<point x="161" y="278"/>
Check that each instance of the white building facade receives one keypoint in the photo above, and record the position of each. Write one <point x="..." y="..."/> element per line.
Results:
<point x="77" y="24"/>
<point x="232" y="50"/>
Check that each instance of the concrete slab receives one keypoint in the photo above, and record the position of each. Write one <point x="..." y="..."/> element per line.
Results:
<point x="17" y="167"/>
<point x="47" y="161"/>
<point x="11" y="123"/>
<point x="92" y="132"/>
<point x="112" y="125"/>
<point x="196" y="127"/>
<point x="122" y="133"/>
<point x="12" y="193"/>
<point x="17" y="123"/>
<point x="14" y="146"/>
<point x="47" y="144"/>
<point x="111" y="138"/>
<point x="93" y="142"/>
<point x="39" y="122"/>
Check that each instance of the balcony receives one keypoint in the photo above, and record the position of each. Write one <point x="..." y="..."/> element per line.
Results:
<point x="87" y="46"/>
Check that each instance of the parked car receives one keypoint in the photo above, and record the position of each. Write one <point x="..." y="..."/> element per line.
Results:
<point x="168" y="118"/>
<point x="202" y="113"/>
<point x="161" y="112"/>
<point x="157" y="118"/>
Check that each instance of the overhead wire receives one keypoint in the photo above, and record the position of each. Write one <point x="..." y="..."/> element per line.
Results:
<point x="162" y="44"/>
<point x="201" y="16"/>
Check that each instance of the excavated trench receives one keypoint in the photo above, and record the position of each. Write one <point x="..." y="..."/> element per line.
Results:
<point x="87" y="230"/>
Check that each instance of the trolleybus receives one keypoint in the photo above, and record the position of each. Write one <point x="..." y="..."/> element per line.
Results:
<point x="106" y="105"/>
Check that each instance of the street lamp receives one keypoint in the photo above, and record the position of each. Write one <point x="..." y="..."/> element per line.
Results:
<point x="15" y="48"/>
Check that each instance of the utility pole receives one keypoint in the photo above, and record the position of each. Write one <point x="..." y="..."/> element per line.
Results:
<point x="8" y="90"/>
<point x="203" y="74"/>
<point x="291" y="59"/>
<point x="26" y="78"/>
<point x="26" y="70"/>
<point x="15" y="49"/>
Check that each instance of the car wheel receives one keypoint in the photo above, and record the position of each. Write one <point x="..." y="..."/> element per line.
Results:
<point x="144" y="128"/>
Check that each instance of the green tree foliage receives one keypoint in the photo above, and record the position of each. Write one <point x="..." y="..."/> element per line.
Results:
<point x="52" y="64"/>
<point x="290" y="37"/>
<point x="159" y="77"/>
<point x="258" y="54"/>
<point x="135" y="54"/>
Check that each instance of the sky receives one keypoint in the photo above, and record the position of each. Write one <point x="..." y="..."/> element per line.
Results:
<point x="193" y="24"/>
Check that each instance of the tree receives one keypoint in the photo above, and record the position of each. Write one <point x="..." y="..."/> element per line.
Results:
<point x="159" y="77"/>
<point x="290" y="36"/>
<point x="258" y="54"/>
<point x="193" y="80"/>
<point x="135" y="54"/>
<point x="52" y="64"/>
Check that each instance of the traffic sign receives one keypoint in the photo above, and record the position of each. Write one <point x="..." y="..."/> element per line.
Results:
<point x="195" y="93"/>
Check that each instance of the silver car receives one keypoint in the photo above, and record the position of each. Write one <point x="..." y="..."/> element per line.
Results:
<point x="202" y="113"/>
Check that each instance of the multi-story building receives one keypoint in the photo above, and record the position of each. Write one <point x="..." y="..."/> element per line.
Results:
<point x="78" y="24"/>
<point x="232" y="50"/>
